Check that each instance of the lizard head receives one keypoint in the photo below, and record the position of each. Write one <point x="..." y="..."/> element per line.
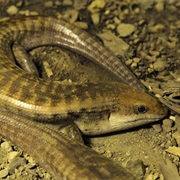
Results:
<point x="136" y="108"/>
<point x="132" y="108"/>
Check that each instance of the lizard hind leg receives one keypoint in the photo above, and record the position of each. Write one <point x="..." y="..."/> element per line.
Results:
<point x="72" y="131"/>
<point x="23" y="60"/>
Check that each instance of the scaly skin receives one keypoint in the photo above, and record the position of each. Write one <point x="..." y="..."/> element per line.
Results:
<point x="64" y="158"/>
<point x="94" y="108"/>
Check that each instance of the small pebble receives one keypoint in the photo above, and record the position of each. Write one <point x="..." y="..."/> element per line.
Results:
<point x="26" y="12"/>
<point x="134" y="65"/>
<point x="159" y="6"/>
<point x="95" y="18"/>
<point x="96" y="6"/>
<point x="174" y="150"/>
<point x="149" y="177"/>
<point x="109" y="154"/>
<point x="3" y="173"/>
<point x="147" y="57"/>
<point x="154" y="53"/>
<point x="156" y="175"/>
<point x="71" y="15"/>
<point x="12" y="10"/>
<point x="147" y="4"/>
<point x="176" y="136"/>
<point x="67" y="2"/>
<point x="19" y="4"/>
<point x="47" y="176"/>
<point x="167" y="125"/>
<point x="111" y="26"/>
<point x="171" y="45"/>
<point x="79" y="4"/>
<point x="117" y="20"/>
<point x="57" y="3"/>
<point x="172" y="8"/>
<point x="168" y="144"/>
<point x="82" y="25"/>
<point x="157" y="127"/>
<point x="129" y="62"/>
<point x="34" y="13"/>
<point x="31" y="165"/>
<point x="12" y="155"/>
<point x="6" y="146"/>
<point x="136" y="9"/>
<point x="125" y="30"/>
<point x="136" y="40"/>
<point x="136" y="60"/>
<point x="48" y="4"/>
<point x="111" y="41"/>
<point x="156" y="28"/>
<point x="159" y="65"/>
<point x="30" y="160"/>
<point x="47" y="69"/>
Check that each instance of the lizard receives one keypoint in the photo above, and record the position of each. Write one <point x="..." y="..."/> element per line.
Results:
<point x="95" y="108"/>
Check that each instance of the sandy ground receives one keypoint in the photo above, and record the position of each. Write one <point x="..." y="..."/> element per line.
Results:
<point x="150" y="47"/>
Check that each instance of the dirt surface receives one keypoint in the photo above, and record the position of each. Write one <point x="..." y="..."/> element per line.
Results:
<point x="146" y="34"/>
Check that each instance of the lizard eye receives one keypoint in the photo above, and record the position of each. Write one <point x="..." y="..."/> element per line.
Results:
<point x="141" y="109"/>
